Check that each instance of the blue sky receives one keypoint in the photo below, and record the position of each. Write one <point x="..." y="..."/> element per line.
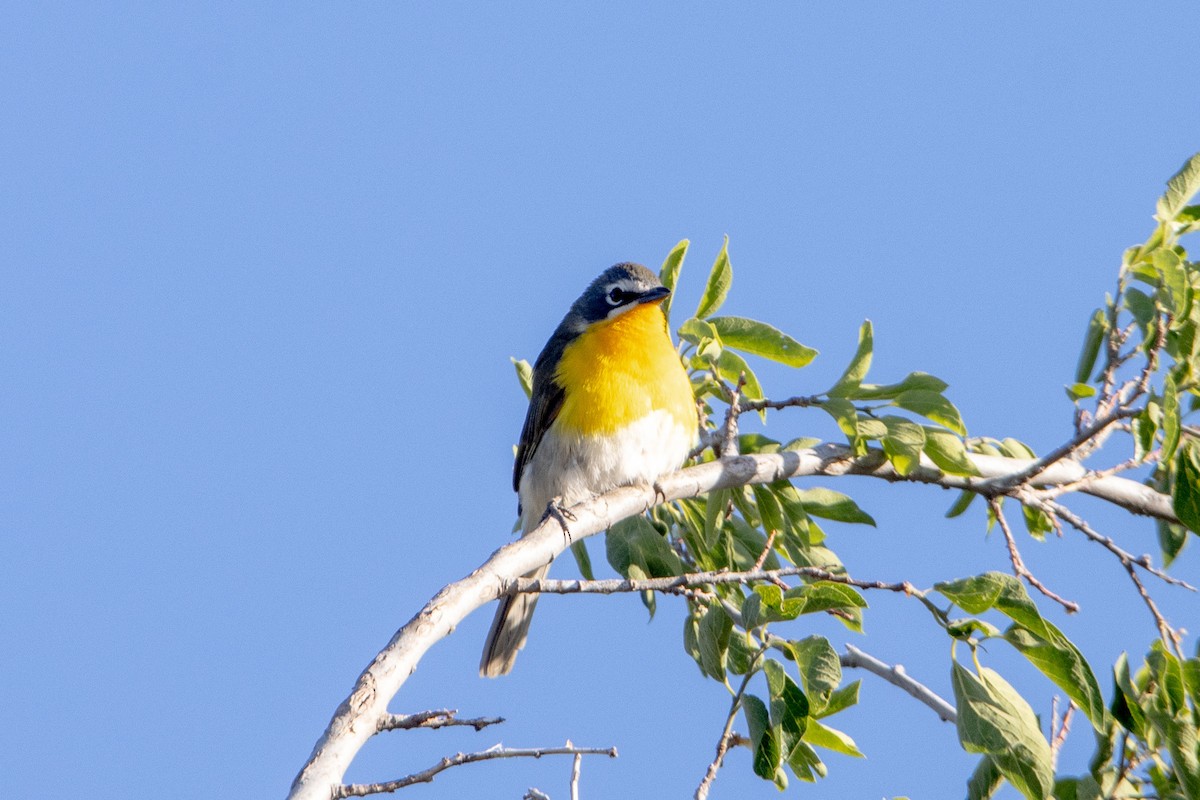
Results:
<point x="264" y="267"/>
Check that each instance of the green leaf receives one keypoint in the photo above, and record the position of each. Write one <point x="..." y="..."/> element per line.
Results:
<point x="1144" y="427"/>
<point x="948" y="452"/>
<point x="1080" y="391"/>
<point x="720" y="278"/>
<point x="840" y="700"/>
<point x="768" y="508"/>
<point x="1182" y="186"/>
<point x="828" y="504"/>
<point x="819" y="666"/>
<point x="1140" y="305"/>
<point x="1174" y="279"/>
<point x="1060" y="661"/>
<point x="697" y="330"/>
<point x="1096" y="331"/>
<point x="913" y="381"/>
<point x="636" y="541"/>
<point x="761" y="339"/>
<point x="960" y="505"/>
<point x="1170" y="419"/>
<point x="1127" y="701"/>
<point x="934" y="406"/>
<point x="985" y="780"/>
<point x="994" y="720"/>
<point x="903" y="443"/>
<point x="805" y="763"/>
<point x="1037" y="522"/>
<point x="763" y="739"/>
<point x="858" y="366"/>
<point x="739" y="658"/>
<point x="844" y="413"/>
<point x="731" y="367"/>
<point x="1043" y="644"/>
<point x="821" y="736"/>
<point x="691" y="639"/>
<point x="524" y="375"/>
<point x="583" y="560"/>
<point x="1185" y="494"/>
<point x="635" y="549"/>
<point x="789" y="706"/>
<point x="1171" y="539"/>
<point x="669" y="273"/>
<point x="713" y="641"/>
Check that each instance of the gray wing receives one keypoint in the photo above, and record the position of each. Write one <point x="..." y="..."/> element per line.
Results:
<point x="544" y="406"/>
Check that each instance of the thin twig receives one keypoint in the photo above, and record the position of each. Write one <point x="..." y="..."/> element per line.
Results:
<point x="1064" y="450"/>
<point x="1064" y="727"/>
<point x="1019" y="568"/>
<point x="678" y="584"/>
<point x="427" y="775"/>
<point x="729" y="436"/>
<point x="726" y="739"/>
<point x="1095" y="475"/>
<point x="791" y="402"/>
<point x="762" y="557"/>
<point x="575" y="767"/>
<point x="441" y="718"/>
<point x="1169" y="635"/>
<point x="895" y="675"/>
<point x="1124" y="556"/>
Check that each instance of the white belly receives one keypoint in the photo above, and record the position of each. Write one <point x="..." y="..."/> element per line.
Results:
<point x="576" y="468"/>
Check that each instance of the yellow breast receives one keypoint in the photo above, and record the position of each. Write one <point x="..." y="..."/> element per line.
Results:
<point x="620" y="370"/>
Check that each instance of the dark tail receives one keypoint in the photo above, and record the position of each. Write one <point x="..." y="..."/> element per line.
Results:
<point x="510" y="628"/>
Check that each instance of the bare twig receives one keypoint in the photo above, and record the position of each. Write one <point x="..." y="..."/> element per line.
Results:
<point x="1064" y="450"/>
<point x="1057" y="738"/>
<point x="427" y="775"/>
<point x="729" y="435"/>
<point x="727" y="734"/>
<point x="678" y="584"/>
<point x="791" y="402"/>
<point x="441" y="718"/>
<point x="1125" y="557"/>
<point x="1093" y="475"/>
<point x="1169" y="635"/>
<point x="895" y="675"/>
<point x="1019" y="568"/>
<point x="766" y="551"/>
<point x="575" y="767"/>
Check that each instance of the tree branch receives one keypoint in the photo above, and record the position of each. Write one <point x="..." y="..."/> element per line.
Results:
<point x="678" y="583"/>
<point x="442" y="718"/>
<point x="895" y="675"/>
<point x="1018" y="564"/>
<point x="427" y="775"/>
<point x="726" y="739"/>
<point x="357" y="718"/>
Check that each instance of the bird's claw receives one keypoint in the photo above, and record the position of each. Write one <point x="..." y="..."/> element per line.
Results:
<point x="559" y="511"/>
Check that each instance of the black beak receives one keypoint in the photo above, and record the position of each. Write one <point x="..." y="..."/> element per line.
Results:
<point x="655" y="295"/>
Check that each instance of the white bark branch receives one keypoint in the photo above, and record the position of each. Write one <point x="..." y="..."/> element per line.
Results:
<point x="895" y="675"/>
<point x="427" y="775"/>
<point x="358" y="717"/>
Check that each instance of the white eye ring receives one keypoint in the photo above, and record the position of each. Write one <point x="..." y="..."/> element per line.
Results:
<point x="615" y="296"/>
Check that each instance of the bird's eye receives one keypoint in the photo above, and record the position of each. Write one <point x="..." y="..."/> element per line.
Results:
<point x="615" y="296"/>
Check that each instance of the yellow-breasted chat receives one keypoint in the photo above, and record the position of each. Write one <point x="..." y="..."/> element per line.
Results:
<point x="611" y="406"/>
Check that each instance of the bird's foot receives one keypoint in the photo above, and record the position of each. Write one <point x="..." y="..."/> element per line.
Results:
<point x="559" y="511"/>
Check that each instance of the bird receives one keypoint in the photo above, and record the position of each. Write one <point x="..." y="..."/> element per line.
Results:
<point x="611" y="405"/>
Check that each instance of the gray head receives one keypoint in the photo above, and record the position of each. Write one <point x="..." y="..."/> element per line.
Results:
<point x="618" y="289"/>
